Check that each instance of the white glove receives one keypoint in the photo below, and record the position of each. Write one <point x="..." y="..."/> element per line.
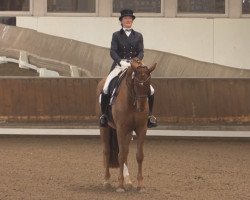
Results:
<point x="125" y="64"/>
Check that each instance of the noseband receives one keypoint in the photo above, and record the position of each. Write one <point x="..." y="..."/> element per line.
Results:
<point x="141" y="83"/>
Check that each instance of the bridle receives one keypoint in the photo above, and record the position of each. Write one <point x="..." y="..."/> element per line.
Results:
<point x="140" y="87"/>
<point x="141" y="83"/>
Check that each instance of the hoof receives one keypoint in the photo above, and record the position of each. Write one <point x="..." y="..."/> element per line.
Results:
<point x="129" y="186"/>
<point x="141" y="189"/>
<point x="120" y="190"/>
<point x="106" y="185"/>
<point x="127" y="180"/>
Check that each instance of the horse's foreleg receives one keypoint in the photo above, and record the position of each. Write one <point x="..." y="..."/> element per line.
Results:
<point x="121" y="159"/>
<point x="139" y="158"/>
<point x="106" y="155"/>
<point x="127" y="179"/>
<point x="120" y="177"/>
<point x="123" y="141"/>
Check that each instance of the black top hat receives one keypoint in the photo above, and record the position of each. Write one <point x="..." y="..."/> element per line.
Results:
<point x="126" y="12"/>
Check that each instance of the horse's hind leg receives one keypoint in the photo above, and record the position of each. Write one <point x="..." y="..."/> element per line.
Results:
<point x="106" y="154"/>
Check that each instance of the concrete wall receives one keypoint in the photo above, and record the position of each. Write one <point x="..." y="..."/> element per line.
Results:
<point x="220" y="40"/>
<point x="58" y="54"/>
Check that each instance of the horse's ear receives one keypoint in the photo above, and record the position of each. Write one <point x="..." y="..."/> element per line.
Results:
<point x="152" y="68"/>
<point x="134" y="65"/>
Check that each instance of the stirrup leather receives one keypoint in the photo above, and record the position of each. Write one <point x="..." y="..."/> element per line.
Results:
<point x="103" y="120"/>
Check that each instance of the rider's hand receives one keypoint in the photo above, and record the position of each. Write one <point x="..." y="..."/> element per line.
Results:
<point x="125" y="64"/>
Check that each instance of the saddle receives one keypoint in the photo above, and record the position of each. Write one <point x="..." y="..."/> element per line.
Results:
<point x="115" y="85"/>
<point x="113" y="91"/>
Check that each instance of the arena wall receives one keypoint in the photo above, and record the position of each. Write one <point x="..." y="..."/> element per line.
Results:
<point x="188" y="92"/>
<point x="57" y="53"/>
<point x="178" y="102"/>
<point x="223" y="41"/>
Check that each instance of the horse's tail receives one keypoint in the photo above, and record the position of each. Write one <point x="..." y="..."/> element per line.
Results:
<point x="114" y="149"/>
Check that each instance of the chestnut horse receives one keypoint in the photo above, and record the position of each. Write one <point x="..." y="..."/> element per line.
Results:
<point x="130" y="113"/>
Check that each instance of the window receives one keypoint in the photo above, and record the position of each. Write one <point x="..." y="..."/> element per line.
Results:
<point x="8" y="20"/>
<point x="201" y="6"/>
<point x="245" y="6"/>
<point x="138" y="6"/>
<point x="14" y="5"/>
<point x="71" y="6"/>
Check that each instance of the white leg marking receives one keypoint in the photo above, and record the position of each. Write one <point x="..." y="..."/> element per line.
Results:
<point x="126" y="175"/>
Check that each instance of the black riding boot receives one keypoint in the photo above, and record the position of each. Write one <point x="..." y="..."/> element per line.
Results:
<point x="152" y="122"/>
<point x="104" y="106"/>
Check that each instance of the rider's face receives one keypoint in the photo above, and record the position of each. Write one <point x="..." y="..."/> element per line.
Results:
<point x="127" y="22"/>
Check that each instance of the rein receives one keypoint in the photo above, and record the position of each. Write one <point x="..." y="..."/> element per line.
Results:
<point x="139" y="85"/>
<point x="141" y="82"/>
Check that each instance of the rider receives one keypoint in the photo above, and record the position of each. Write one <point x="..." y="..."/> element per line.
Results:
<point x="125" y="45"/>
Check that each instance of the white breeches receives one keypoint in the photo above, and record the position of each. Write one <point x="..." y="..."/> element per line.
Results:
<point x="112" y="75"/>
<point x="115" y="73"/>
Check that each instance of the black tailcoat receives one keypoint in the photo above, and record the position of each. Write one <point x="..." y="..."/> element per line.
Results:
<point x="124" y="47"/>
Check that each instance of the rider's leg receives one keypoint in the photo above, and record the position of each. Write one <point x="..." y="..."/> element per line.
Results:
<point x="105" y="96"/>
<point x="152" y="122"/>
<point x="111" y="75"/>
<point x="104" y="106"/>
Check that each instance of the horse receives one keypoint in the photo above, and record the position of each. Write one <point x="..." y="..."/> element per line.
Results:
<point x="130" y="113"/>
